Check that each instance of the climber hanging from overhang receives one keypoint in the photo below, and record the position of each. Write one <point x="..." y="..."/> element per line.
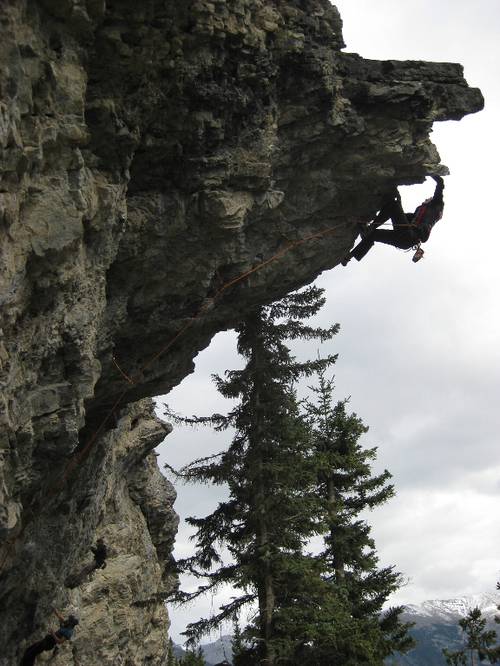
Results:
<point x="51" y="640"/>
<point x="409" y="229"/>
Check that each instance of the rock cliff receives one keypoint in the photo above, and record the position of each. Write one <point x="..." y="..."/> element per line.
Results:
<point x="164" y="167"/>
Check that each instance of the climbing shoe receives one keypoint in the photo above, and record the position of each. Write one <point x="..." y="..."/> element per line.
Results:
<point x="419" y="253"/>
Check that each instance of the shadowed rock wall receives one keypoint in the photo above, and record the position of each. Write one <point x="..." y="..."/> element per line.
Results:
<point x="151" y="153"/>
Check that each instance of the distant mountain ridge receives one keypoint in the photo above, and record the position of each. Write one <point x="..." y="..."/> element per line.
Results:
<point x="436" y="627"/>
<point x="214" y="653"/>
<point x="451" y="609"/>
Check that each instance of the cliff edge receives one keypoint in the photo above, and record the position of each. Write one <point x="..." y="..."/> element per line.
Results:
<point x="165" y="166"/>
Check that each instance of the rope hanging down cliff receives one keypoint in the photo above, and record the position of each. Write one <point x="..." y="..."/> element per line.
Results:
<point x="409" y="230"/>
<point x="207" y="305"/>
<point x="82" y="454"/>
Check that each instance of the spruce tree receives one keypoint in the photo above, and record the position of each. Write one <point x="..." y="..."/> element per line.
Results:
<point x="348" y="564"/>
<point x="291" y="476"/>
<point x="269" y="515"/>
<point x="193" y="657"/>
<point x="171" y="660"/>
<point x="237" y="645"/>
<point x="479" y="644"/>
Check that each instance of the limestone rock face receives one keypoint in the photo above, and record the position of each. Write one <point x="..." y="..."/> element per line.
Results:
<point x="164" y="167"/>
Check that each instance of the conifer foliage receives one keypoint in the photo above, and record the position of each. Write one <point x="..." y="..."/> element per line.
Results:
<point x="192" y="657"/>
<point x="292" y="475"/>
<point x="348" y="561"/>
<point x="237" y="644"/>
<point x="171" y="660"/>
<point x="479" y="644"/>
<point x="266" y="521"/>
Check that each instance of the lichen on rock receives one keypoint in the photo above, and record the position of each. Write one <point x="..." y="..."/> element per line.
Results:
<point x="152" y="154"/>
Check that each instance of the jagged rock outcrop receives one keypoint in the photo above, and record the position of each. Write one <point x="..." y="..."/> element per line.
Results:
<point x="151" y="153"/>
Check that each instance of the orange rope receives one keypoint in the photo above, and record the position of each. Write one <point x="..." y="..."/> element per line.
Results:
<point x="124" y="375"/>
<point x="231" y="283"/>
<point x="79" y="456"/>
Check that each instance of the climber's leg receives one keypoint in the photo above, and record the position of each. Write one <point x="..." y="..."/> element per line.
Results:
<point x="31" y="653"/>
<point x="362" y="248"/>
<point x="402" y="238"/>
<point x="391" y="210"/>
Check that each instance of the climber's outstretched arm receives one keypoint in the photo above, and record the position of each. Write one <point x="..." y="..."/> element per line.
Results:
<point x="438" y="192"/>
<point x="58" y="614"/>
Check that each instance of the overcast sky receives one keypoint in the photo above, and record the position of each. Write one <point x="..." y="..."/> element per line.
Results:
<point x="419" y="347"/>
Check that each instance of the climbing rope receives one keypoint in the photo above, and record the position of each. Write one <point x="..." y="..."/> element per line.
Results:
<point x="123" y="374"/>
<point x="82" y="454"/>
<point x="207" y="305"/>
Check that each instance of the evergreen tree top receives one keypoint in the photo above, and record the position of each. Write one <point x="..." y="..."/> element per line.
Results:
<point x="293" y="470"/>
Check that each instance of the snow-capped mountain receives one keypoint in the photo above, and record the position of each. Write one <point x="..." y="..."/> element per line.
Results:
<point x="451" y="610"/>
<point x="436" y="627"/>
